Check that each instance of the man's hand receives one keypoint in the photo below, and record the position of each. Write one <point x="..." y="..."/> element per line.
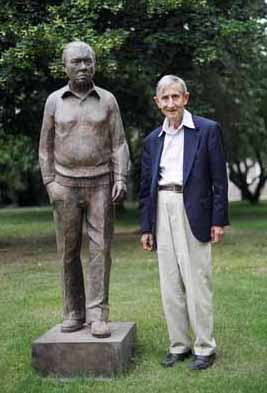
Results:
<point x="118" y="191"/>
<point x="147" y="241"/>
<point x="216" y="234"/>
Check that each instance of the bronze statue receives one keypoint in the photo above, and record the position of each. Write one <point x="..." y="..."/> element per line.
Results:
<point x="84" y="159"/>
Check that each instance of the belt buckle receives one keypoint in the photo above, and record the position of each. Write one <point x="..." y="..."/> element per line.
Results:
<point x="178" y="188"/>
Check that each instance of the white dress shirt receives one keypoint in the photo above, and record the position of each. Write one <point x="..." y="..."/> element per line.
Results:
<point x="172" y="158"/>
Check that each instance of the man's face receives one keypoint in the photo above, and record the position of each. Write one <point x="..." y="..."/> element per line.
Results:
<point x="79" y="64"/>
<point x="171" y="100"/>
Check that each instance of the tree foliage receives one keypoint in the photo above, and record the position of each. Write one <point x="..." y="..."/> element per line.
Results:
<point x="217" y="46"/>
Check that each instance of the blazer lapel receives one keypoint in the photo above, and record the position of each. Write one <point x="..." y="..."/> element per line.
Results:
<point x="191" y="140"/>
<point x="158" y="151"/>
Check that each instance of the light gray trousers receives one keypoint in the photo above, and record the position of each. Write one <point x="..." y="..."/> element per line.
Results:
<point x="185" y="278"/>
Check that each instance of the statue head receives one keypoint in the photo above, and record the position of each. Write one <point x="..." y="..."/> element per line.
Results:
<point x="79" y="62"/>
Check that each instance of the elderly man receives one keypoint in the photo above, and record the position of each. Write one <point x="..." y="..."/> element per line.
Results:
<point x="183" y="203"/>
<point x="84" y="160"/>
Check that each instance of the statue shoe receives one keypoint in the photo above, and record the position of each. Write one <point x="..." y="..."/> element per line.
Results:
<point x="71" y="325"/>
<point x="100" y="329"/>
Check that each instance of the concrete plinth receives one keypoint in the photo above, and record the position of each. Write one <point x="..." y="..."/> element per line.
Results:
<point x="79" y="353"/>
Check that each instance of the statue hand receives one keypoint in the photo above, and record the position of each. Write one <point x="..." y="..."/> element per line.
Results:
<point x="54" y="191"/>
<point x="118" y="191"/>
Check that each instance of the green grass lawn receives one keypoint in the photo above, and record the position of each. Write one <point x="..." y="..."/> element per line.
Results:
<point x="30" y="304"/>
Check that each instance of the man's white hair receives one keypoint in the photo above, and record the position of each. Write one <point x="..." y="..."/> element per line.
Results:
<point x="168" y="80"/>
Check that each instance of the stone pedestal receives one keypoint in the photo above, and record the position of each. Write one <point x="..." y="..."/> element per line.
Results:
<point x="79" y="353"/>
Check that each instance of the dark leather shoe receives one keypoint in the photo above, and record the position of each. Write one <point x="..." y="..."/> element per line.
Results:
<point x="173" y="358"/>
<point x="71" y="325"/>
<point x="202" y="362"/>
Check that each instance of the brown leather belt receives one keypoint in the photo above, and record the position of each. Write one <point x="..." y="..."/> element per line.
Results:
<point x="171" y="187"/>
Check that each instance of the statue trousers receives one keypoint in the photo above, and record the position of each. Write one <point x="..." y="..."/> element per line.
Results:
<point x="72" y="206"/>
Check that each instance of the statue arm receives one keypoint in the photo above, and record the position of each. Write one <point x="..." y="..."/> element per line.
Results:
<point x="120" y="150"/>
<point x="46" y="145"/>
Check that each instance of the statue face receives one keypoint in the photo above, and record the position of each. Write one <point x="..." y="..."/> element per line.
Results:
<point x="79" y="64"/>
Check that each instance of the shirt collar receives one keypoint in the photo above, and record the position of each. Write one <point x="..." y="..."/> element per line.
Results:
<point x="187" y="121"/>
<point x="67" y="91"/>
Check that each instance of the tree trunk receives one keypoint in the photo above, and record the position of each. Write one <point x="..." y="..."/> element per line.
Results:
<point x="238" y="175"/>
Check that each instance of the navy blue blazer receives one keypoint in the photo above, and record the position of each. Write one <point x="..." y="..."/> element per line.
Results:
<point x="204" y="176"/>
